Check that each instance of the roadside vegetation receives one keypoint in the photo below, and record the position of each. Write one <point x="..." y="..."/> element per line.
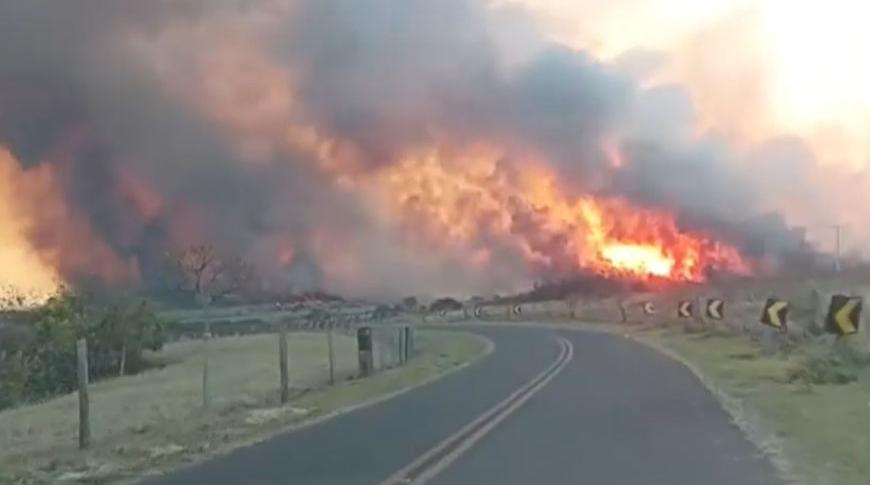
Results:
<point x="188" y="369"/>
<point x="37" y="346"/>
<point x="808" y="407"/>
<point x="154" y="421"/>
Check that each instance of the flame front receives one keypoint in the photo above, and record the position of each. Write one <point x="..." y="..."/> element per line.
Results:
<point x="640" y="259"/>
<point x="25" y="275"/>
<point x="482" y="201"/>
<point x="43" y="239"/>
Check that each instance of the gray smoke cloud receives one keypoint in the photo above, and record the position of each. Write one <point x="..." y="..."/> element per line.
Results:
<point x="382" y="75"/>
<point x="380" y="71"/>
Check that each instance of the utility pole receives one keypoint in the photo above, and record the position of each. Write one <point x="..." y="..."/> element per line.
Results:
<point x="838" y="228"/>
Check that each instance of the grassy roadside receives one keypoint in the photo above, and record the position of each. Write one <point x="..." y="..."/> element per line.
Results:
<point x="153" y="421"/>
<point x="816" y="434"/>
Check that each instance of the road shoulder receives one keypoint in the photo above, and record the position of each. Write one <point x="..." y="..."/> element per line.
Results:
<point x="442" y="353"/>
<point x="195" y="437"/>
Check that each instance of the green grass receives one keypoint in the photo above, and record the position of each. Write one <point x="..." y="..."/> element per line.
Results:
<point x="819" y="433"/>
<point x="440" y="352"/>
<point x="155" y="420"/>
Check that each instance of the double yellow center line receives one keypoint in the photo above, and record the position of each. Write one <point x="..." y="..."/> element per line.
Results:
<point x="436" y="459"/>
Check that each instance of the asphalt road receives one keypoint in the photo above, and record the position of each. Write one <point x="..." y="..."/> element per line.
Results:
<point x="617" y="413"/>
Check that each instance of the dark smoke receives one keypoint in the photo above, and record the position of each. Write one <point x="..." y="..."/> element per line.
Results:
<point x="381" y="75"/>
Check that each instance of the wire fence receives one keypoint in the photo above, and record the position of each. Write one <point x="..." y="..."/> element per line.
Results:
<point x="209" y="369"/>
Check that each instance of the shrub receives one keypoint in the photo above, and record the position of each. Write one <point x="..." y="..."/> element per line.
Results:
<point x="838" y="366"/>
<point x="13" y="380"/>
<point x="448" y="304"/>
<point x="40" y="361"/>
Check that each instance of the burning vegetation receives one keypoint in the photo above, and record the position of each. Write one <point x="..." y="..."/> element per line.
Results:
<point x="473" y="200"/>
<point x="408" y="147"/>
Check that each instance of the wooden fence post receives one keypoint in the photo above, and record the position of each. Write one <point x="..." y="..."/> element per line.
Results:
<point x="364" y="349"/>
<point x="400" y="346"/>
<point x="282" y="362"/>
<point x="122" y="366"/>
<point x="381" y="350"/>
<point x="623" y="314"/>
<point x="206" y="395"/>
<point x="412" y="345"/>
<point x="84" y="402"/>
<point x="331" y="352"/>
<point x="700" y="304"/>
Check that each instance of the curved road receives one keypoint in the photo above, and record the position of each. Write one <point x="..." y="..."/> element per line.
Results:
<point x="584" y="408"/>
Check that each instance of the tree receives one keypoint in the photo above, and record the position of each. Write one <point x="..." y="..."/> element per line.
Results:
<point x="38" y="359"/>
<point x="410" y="303"/>
<point x="126" y="328"/>
<point x="201" y="271"/>
<point x="445" y="304"/>
<point x="382" y="311"/>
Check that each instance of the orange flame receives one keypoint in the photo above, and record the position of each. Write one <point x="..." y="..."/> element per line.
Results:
<point x="24" y="272"/>
<point x="33" y="209"/>
<point x="473" y="201"/>
<point x="472" y="198"/>
<point x="636" y="258"/>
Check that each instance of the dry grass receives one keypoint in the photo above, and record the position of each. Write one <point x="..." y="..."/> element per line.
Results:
<point x="242" y="370"/>
<point x="155" y="419"/>
<point x="819" y="434"/>
<point x="441" y="351"/>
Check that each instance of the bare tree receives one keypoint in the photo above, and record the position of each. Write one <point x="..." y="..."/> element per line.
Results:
<point x="201" y="270"/>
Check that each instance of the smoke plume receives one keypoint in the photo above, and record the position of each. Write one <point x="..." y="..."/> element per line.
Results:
<point x="381" y="148"/>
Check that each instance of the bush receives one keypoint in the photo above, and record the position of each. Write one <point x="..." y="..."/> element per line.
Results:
<point x="445" y="304"/>
<point x="838" y="366"/>
<point x="48" y="355"/>
<point x="13" y="380"/>
<point x="120" y="333"/>
<point x="40" y="361"/>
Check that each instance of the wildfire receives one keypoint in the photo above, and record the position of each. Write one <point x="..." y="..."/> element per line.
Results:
<point x="43" y="240"/>
<point x="485" y="202"/>
<point x="475" y="203"/>
<point x="638" y="259"/>
<point x="25" y="275"/>
<point x="474" y="198"/>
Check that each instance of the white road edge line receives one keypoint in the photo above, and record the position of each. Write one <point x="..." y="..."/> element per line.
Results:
<point x="489" y="420"/>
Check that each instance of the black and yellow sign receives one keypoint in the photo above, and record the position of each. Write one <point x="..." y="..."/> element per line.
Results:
<point x="684" y="309"/>
<point x="715" y="309"/>
<point x="775" y="313"/>
<point x="649" y="308"/>
<point x="517" y="310"/>
<point x="478" y="311"/>
<point x="844" y="315"/>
